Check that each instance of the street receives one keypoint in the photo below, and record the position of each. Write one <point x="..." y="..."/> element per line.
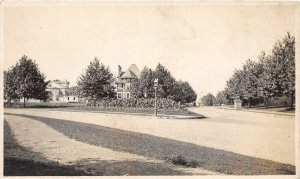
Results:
<point x="225" y="142"/>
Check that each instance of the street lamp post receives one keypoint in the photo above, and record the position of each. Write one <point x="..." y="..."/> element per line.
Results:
<point x="155" y="87"/>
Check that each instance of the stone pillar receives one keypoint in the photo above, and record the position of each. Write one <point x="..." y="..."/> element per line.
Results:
<point x="237" y="104"/>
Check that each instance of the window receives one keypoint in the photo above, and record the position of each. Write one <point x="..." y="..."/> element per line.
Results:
<point x="119" y="95"/>
<point x="74" y="98"/>
<point x="127" y="85"/>
<point x="68" y="98"/>
<point x="128" y="95"/>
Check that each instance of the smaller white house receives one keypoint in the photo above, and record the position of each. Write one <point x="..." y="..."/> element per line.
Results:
<point x="67" y="99"/>
<point x="71" y="99"/>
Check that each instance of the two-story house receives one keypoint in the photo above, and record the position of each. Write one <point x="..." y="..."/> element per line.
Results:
<point x="126" y="79"/>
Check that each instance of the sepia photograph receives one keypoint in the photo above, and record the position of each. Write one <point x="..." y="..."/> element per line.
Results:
<point x="141" y="88"/>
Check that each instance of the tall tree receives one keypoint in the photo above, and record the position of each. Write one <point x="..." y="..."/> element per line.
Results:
<point x="267" y="80"/>
<point x="166" y="82"/>
<point x="283" y="55"/>
<point x="144" y="87"/>
<point x="97" y="82"/>
<point x="251" y="71"/>
<point x="24" y="80"/>
<point x="235" y="85"/>
<point x="10" y="87"/>
<point x="184" y="93"/>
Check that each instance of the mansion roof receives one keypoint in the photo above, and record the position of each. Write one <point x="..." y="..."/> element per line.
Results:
<point x="131" y="73"/>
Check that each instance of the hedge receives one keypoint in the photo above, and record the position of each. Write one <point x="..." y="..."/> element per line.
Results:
<point x="138" y="103"/>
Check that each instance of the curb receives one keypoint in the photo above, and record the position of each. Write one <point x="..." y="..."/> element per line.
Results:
<point x="258" y="111"/>
<point x="163" y="116"/>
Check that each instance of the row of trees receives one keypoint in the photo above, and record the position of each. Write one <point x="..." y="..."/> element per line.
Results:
<point x="168" y="87"/>
<point x="272" y="75"/>
<point x="24" y="80"/>
<point x="97" y="83"/>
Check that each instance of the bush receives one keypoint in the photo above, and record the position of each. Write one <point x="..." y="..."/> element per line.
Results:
<point x="279" y="101"/>
<point x="140" y="103"/>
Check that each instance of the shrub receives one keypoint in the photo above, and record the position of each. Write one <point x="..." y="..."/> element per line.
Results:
<point x="141" y="103"/>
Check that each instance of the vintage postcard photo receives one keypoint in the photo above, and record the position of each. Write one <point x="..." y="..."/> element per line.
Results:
<point x="149" y="88"/>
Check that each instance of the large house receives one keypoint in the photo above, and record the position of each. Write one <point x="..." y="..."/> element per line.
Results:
<point x="125" y="80"/>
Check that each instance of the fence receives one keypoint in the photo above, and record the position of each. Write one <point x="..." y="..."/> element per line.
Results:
<point x="43" y="104"/>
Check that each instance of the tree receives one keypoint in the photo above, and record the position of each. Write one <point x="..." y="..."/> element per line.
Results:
<point x="72" y="91"/>
<point x="10" y="87"/>
<point x="234" y="88"/>
<point x="283" y="55"/>
<point x="166" y="82"/>
<point x="221" y="98"/>
<point x="97" y="82"/>
<point x="208" y="100"/>
<point x="184" y="93"/>
<point x="144" y="87"/>
<point x="251" y="71"/>
<point x="24" y="80"/>
<point x="267" y="79"/>
<point x="272" y="76"/>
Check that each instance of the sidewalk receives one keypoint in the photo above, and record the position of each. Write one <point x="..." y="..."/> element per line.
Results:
<point x="259" y="111"/>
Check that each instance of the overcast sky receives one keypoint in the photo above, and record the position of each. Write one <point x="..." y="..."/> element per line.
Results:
<point x="201" y="44"/>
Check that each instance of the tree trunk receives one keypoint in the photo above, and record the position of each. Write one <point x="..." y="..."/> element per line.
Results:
<point x="24" y="103"/>
<point x="292" y="101"/>
<point x="267" y="103"/>
<point x="249" y="103"/>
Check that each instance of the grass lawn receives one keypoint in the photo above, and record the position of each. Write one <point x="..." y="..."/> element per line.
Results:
<point x="133" y="111"/>
<point x="21" y="161"/>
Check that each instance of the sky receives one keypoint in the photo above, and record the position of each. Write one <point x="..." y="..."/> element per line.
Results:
<point x="198" y="43"/>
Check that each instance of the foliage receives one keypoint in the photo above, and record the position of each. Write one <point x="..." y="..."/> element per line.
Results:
<point x="221" y="98"/>
<point x="162" y="103"/>
<point x="268" y="83"/>
<point x="208" y="100"/>
<point x="96" y="82"/>
<point x="251" y="71"/>
<point x="72" y="91"/>
<point x="272" y="76"/>
<point x="235" y="86"/>
<point x="166" y="82"/>
<point x="184" y="93"/>
<point x="283" y="54"/>
<point x="167" y="88"/>
<point x="10" y="87"/>
<point x="145" y="86"/>
<point x="24" y="80"/>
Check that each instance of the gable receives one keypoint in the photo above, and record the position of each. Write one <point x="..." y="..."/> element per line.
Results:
<point x="132" y="72"/>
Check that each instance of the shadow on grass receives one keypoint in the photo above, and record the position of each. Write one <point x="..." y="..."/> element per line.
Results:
<point x="119" y="168"/>
<point x="21" y="161"/>
<point x="16" y="167"/>
<point x="162" y="148"/>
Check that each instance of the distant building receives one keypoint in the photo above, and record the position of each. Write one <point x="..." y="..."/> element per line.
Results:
<point x="125" y="80"/>
<point x="61" y="92"/>
<point x="57" y="89"/>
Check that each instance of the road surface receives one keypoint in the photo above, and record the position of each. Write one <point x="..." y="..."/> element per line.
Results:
<point x="226" y="142"/>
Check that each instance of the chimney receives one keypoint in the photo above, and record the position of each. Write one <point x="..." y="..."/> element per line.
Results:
<point x="119" y="70"/>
